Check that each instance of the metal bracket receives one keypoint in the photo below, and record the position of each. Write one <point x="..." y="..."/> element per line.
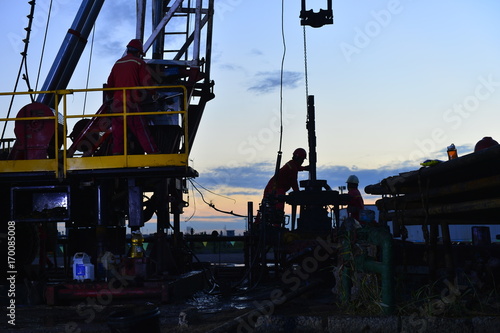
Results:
<point x="316" y="19"/>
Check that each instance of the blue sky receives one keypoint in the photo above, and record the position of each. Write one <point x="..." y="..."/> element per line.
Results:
<point x="395" y="82"/>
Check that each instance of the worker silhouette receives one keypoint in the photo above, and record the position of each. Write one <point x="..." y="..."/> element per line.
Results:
<point x="131" y="71"/>
<point x="356" y="203"/>
<point x="280" y="183"/>
<point x="287" y="177"/>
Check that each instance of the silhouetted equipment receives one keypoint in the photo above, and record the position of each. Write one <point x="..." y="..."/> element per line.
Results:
<point x="100" y="198"/>
<point x="316" y="19"/>
<point x="460" y="191"/>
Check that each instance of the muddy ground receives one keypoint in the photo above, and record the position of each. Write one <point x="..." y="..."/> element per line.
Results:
<point x="314" y="310"/>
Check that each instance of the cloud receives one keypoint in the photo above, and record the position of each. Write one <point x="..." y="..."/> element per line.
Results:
<point x="231" y="67"/>
<point x="256" y="52"/>
<point x="114" y="28"/>
<point x="267" y="82"/>
<point x="251" y="179"/>
<point x="337" y="175"/>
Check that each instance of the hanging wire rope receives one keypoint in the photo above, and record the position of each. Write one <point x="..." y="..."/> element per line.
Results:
<point x="282" y="72"/>
<point x="43" y="46"/>
<point x="305" y="64"/>
<point x="23" y="63"/>
<point x="88" y="69"/>
<point x="283" y="39"/>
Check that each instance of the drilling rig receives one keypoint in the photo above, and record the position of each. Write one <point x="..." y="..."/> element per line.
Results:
<point x="58" y="167"/>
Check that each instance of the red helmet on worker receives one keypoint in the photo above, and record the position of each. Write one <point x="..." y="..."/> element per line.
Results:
<point x="300" y="153"/>
<point x="135" y="44"/>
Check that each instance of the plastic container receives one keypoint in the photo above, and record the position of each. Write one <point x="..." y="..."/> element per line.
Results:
<point x="82" y="268"/>
<point x="138" y="319"/>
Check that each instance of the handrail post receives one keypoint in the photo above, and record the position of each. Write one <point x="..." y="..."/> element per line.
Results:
<point x="185" y="121"/>
<point x="65" y="127"/>
<point x="124" y="111"/>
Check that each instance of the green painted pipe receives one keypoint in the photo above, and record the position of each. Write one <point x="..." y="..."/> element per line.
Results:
<point x="381" y="237"/>
<point x="346" y="270"/>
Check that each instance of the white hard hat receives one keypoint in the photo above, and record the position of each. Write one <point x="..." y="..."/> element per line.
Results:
<point x="352" y="179"/>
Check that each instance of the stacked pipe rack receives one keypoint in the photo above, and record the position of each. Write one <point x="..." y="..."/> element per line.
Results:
<point x="461" y="191"/>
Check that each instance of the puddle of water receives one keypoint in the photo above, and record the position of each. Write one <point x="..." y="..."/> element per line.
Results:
<point x="212" y="303"/>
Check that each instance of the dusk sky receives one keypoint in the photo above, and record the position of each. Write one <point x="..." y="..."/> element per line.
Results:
<point x="395" y="83"/>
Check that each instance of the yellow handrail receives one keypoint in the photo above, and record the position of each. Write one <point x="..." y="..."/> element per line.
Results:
<point x="97" y="162"/>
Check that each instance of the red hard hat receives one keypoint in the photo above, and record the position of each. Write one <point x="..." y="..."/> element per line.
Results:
<point x="484" y="143"/>
<point x="300" y="152"/>
<point x="136" y="44"/>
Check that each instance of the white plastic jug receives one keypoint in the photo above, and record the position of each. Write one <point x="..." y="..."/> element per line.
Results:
<point x="82" y="268"/>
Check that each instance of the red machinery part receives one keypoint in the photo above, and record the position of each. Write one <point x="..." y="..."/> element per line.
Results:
<point x="33" y="137"/>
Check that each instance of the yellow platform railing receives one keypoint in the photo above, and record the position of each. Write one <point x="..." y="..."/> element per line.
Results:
<point x="63" y="163"/>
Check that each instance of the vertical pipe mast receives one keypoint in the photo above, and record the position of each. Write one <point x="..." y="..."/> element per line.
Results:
<point x="311" y="133"/>
<point x="159" y="43"/>
<point x="141" y="19"/>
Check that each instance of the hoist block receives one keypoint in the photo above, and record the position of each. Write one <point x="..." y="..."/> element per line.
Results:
<point x="316" y="19"/>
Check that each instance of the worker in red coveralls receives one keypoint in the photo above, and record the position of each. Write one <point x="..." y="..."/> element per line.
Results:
<point x="271" y="210"/>
<point x="287" y="177"/>
<point x="356" y="204"/>
<point x="131" y="71"/>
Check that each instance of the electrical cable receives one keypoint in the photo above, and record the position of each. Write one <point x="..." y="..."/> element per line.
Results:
<point x="194" y="206"/>
<point x="261" y="252"/>
<point x="260" y="248"/>
<point x="211" y="205"/>
<point x="212" y="280"/>
<point x="212" y="191"/>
